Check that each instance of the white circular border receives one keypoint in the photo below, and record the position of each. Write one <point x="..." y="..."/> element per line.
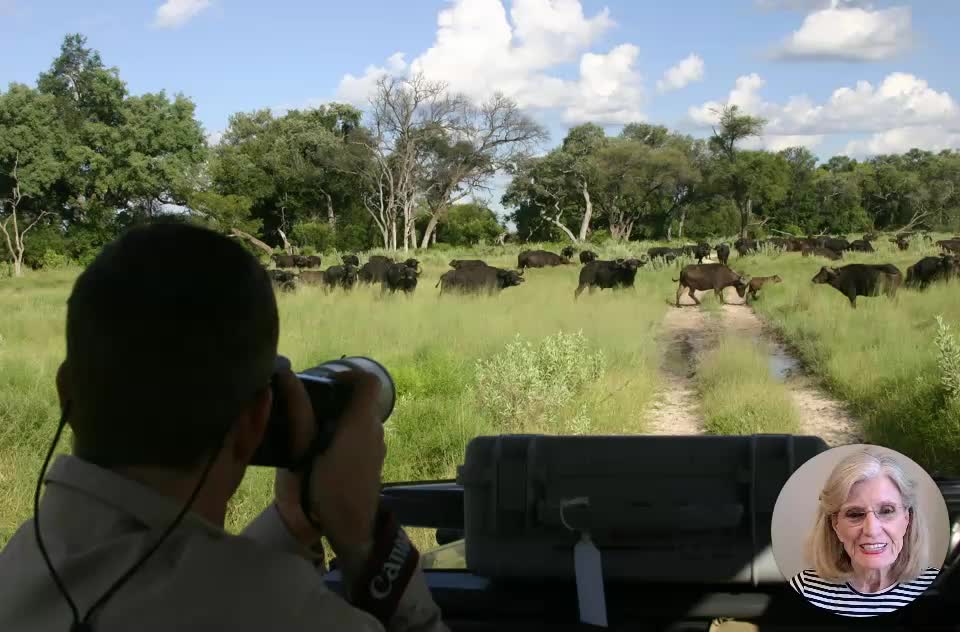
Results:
<point x="795" y="510"/>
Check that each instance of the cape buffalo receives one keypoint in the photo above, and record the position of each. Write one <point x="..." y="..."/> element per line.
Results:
<point x="709" y="276"/>
<point x="400" y="276"/>
<point x="818" y="251"/>
<point x="746" y="246"/>
<point x="697" y="252"/>
<point x="313" y="261"/>
<point x="950" y="245"/>
<point x="757" y="283"/>
<point x="662" y="252"/>
<point x="350" y="260"/>
<point x="902" y="242"/>
<point x="478" y="279"/>
<point x="456" y="264"/>
<point x="301" y="262"/>
<point x="861" y="245"/>
<point x="723" y="253"/>
<point x="607" y="274"/>
<point x="930" y="269"/>
<point x="344" y="277"/>
<point x="837" y="245"/>
<point x="568" y="252"/>
<point x="374" y="271"/>
<point x="284" y="261"/>
<point x="540" y="259"/>
<point x="286" y="281"/>
<point x="587" y="256"/>
<point x="859" y="279"/>
<point x="373" y="258"/>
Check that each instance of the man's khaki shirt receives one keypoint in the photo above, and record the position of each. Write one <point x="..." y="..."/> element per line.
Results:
<point x="96" y="524"/>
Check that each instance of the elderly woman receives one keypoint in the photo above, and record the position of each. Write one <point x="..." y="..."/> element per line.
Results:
<point x="868" y="547"/>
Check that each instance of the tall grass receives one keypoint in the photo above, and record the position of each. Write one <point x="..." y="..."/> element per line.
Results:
<point x="432" y="346"/>
<point x="880" y="357"/>
<point x="739" y="395"/>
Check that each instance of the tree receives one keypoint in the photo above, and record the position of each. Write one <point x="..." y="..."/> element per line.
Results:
<point x="484" y="140"/>
<point x="467" y="224"/>
<point x="581" y="146"/>
<point x="735" y="127"/>
<point x="540" y="191"/>
<point x="406" y="116"/>
<point x="31" y="145"/>
<point x="297" y="168"/>
<point x="636" y="180"/>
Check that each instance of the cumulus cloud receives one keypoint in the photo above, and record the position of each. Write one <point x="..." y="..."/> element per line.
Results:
<point x="357" y="90"/>
<point x="481" y="49"/>
<point x="685" y="72"/>
<point x="175" y="13"/>
<point x="902" y="139"/>
<point x="846" y="32"/>
<point x="901" y="101"/>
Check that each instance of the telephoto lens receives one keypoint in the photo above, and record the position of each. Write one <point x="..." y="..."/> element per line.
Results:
<point x="330" y="396"/>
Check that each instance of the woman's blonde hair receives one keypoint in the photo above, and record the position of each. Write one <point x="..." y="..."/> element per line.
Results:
<point x="825" y="550"/>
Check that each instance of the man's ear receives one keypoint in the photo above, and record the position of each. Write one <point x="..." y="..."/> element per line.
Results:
<point x="251" y="425"/>
<point x="63" y="385"/>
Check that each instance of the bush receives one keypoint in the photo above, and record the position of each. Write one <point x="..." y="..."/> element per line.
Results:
<point x="529" y="386"/>
<point x="948" y="360"/>
<point x="317" y="235"/>
<point x="52" y="260"/>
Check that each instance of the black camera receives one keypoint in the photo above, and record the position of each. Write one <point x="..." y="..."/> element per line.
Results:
<point x="330" y="396"/>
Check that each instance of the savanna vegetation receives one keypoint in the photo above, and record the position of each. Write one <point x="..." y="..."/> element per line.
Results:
<point x="82" y="159"/>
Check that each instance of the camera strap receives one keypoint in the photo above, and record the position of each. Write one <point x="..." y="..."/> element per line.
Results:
<point x="392" y="563"/>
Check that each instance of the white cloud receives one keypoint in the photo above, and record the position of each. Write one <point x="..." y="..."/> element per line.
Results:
<point x="806" y="5"/>
<point x="899" y="102"/>
<point x="174" y="13"/>
<point x="685" y="72"/>
<point x="480" y="50"/>
<point x="902" y="139"/>
<point x="850" y="33"/>
<point x="357" y="90"/>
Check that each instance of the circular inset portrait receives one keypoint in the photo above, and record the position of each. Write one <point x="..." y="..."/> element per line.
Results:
<point x="860" y="530"/>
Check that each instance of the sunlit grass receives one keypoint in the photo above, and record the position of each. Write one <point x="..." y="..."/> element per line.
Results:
<point x="739" y="394"/>
<point x="430" y="344"/>
<point x="879" y="357"/>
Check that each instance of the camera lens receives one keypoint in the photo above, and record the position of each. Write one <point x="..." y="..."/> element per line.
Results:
<point x="386" y="394"/>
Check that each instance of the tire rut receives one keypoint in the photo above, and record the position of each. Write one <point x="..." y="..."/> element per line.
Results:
<point x="687" y="332"/>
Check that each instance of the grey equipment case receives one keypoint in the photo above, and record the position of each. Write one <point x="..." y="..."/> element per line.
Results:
<point x="663" y="509"/>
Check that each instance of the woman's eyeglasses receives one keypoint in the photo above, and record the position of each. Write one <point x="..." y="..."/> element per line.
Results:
<point x="855" y="516"/>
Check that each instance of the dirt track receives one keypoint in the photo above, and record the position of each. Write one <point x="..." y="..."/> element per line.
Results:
<point x="688" y="331"/>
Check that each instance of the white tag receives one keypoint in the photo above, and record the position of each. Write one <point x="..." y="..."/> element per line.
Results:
<point x="589" y="570"/>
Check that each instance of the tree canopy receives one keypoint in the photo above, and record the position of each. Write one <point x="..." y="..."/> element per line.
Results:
<point x="82" y="159"/>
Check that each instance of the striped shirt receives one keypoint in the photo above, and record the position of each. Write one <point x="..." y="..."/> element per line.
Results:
<point x="841" y="598"/>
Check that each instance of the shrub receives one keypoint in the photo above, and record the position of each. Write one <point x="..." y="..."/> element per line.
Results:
<point x="533" y="386"/>
<point x="948" y="360"/>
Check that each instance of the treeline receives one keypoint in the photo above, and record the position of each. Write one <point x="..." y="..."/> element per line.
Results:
<point x="81" y="159"/>
<point x="649" y="182"/>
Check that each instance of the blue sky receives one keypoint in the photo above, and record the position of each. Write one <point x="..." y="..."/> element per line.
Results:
<point x="566" y="61"/>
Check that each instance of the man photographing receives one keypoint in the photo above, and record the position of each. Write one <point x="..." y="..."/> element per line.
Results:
<point x="167" y="386"/>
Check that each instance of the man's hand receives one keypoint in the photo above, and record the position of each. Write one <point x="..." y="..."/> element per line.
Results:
<point x="345" y="484"/>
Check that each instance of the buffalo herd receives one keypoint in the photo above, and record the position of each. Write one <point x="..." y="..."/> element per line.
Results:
<point x="476" y="276"/>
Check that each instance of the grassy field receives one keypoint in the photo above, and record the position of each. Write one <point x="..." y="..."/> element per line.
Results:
<point x="881" y="357"/>
<point x="739" y="395"/>
<point x="533" y="360"/>
<point x="457" y="362"/>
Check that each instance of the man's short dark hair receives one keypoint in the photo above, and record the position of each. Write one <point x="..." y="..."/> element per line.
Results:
<point x="171" y="331"/>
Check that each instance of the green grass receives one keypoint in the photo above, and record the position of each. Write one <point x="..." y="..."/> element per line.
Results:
<point x="880" y="357"/>
<point x="739" y="395"/>
<point x="430" y="345"/>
